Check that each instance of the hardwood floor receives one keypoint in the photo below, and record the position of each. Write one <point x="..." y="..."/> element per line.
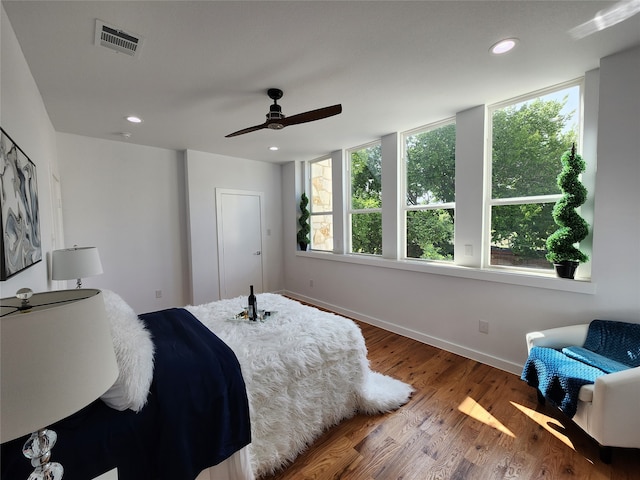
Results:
<point x="465" y="421"/>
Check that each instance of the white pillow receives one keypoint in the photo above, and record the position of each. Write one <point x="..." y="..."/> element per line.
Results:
<point x="134" y="354"/>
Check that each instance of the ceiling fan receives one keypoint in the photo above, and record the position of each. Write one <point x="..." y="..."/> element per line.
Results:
<point x="277" y="121"/>
<point x="607" y="18"/>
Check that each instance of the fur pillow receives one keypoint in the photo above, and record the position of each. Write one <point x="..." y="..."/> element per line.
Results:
<point x="134" y="354"/>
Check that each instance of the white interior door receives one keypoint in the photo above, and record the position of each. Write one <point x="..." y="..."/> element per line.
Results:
<point x="240" y="257"/>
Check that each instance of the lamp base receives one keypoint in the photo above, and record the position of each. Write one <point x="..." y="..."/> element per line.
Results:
<point x="48" y="471"/>
<point x="38" y="449"/>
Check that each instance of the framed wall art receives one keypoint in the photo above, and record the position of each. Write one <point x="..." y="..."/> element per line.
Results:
<point x="20" y="244"/>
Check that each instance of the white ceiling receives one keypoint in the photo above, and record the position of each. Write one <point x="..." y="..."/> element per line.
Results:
<point x="205" y="66"/>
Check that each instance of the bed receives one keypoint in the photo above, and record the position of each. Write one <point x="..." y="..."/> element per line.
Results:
<point x="302" y="370"/>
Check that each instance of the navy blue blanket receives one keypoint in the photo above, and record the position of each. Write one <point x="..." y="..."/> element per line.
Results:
<point x="197" y="414"/>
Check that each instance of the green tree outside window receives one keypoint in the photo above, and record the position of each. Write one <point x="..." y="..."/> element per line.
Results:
<point x="366" y="194"/>
<point x="527" y="140"/>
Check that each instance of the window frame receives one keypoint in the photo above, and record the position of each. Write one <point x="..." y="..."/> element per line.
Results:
<point x="471" y="146"/>
<point x="349" y="197"/>
<point x="310" y="189"/>
<point x="489" y="201"/>
<point x="404" y="208"/>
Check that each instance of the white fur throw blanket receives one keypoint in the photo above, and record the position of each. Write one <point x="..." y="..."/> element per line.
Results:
<point x="134" y="350"/>
<point x="305" y="370"/>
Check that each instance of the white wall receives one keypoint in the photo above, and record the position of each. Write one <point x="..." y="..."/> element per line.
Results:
<point x="129" y="201"/>
<point x="24" y="117"/>
<point x="616" y="258"/>
<point x="206" y="172"/>
<point x="445" y="310"/>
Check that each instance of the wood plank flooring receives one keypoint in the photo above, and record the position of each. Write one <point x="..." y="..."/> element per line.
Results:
<point x="466" y="421"/>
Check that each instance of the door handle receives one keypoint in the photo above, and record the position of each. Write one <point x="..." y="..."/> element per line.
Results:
<point x="258" y="253"/>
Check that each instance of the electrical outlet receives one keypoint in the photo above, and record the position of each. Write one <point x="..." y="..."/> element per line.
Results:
<point x="158" y="293"/>
<point x="311" y="283"/>
<point x="483" y="326"/>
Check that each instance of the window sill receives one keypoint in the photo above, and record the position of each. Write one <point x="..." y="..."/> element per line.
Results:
<point x="535" y="280"/>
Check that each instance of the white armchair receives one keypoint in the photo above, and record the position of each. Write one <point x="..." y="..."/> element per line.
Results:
<point x="608" y="409"/>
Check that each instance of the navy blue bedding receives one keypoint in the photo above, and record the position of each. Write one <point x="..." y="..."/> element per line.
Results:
<point x="197" y="414"/>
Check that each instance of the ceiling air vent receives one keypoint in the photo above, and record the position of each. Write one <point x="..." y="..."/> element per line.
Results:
<point x="117" y="39"/>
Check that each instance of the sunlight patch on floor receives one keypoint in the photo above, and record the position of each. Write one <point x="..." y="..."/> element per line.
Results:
<point x="550" y="424"/>
<point x="472" y="408"/>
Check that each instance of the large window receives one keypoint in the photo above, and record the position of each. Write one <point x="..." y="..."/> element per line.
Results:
<point x="365" y="212"/>
<point x="429" y="161"/>
<point x="321" y="201"/>
<point x="504" y="160"/>
<point x="528" y="137"/>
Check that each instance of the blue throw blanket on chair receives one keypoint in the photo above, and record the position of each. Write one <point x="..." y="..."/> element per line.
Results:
<point x="619" y="341"/>
<point x="558" y="377"/>
<point x="609" y="347"/>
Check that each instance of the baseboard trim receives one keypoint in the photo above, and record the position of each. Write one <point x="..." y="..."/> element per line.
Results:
<point x="472" y="354"/>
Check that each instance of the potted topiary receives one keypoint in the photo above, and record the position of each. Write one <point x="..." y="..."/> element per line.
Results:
<point x="561" y="249"/>
<point x="303" y="221"/>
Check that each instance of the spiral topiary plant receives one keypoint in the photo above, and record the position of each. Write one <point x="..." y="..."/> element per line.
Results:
<point x="303" y="221"/>
<point x="573" y="228"/>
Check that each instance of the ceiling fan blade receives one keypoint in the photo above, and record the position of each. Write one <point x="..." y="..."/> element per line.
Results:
<point x="248" y="130"/>
<point x="276" y="120"/>
<point x="312" y="115"/>
<point x="607" y="18"/>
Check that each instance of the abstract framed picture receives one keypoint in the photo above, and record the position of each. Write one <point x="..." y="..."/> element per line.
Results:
<point x="20" y="244"/>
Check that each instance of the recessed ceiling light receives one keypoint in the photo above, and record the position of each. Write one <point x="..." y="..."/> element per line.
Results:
<point x="504" y="46"/>
<point x="273" y="148"/>
<point x="134" y="119"/>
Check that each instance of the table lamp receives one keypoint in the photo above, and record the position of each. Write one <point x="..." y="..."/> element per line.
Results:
<point x="76" y="262"/>
<point x="56" y="357"/>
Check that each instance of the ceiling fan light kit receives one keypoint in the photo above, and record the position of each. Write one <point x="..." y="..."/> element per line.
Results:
<point x="276" y="120"/>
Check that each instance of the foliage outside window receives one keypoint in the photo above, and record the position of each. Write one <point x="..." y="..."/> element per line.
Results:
<point x="365" y="212"/>
<point x="321" y="205"/>
<point x="528" y="137"/>
<point x="429" y="158"/>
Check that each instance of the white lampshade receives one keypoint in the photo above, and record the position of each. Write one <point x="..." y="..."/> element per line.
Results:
<point x="76" y="262"/>
<point x="56" y="358"/>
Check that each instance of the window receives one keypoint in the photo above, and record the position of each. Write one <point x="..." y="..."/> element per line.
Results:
<point x="430" y="164"/>
<point x="365" y="212"/>
<point x="528" y="137"/>
<point x="504" y="160"/>
<point x="321" y="201"/>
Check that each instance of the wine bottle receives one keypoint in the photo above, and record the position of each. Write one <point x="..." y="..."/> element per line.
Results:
<point x="253" y="306"/>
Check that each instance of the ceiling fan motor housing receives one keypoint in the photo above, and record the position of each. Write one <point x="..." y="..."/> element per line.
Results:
<point x="275" y="114"/>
